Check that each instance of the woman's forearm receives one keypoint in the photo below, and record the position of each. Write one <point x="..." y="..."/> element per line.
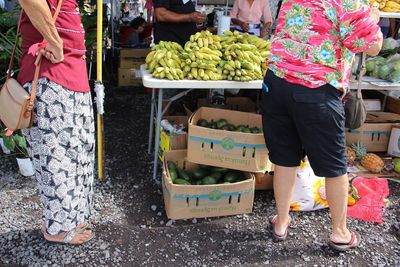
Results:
<point x="39" y="14"/>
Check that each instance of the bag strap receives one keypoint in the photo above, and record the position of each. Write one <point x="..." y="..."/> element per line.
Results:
<point x="11" y="65"/>
<point x="360" y="70"/>
<point x="38" y="61"/>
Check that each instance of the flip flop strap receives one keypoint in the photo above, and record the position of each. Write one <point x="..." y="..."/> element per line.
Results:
<point x="352" y="239"/>
<point x="71" y="234"/>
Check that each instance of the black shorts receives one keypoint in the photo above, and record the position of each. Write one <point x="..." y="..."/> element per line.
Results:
<point x="299" y="121"/>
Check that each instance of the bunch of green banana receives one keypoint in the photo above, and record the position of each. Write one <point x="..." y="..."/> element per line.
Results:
<point x="164" y="61"/>
<point x="242" y="62"/>
<point x="201" y="57"/>
<point x="170" y="46"/>
<point x="229" y="37"/>
<point x="251" y="52"/>
<point x="203" y="39"/>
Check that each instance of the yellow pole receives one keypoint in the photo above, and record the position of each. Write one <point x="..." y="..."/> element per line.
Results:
<point x="99" y="60"/>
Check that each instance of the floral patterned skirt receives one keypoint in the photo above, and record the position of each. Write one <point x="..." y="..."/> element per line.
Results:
<point x="62" y="145"/>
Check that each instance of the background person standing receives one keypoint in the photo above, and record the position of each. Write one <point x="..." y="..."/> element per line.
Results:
<point x="252" y="16"/>
<point x="308" y="71"/>
<point x="176" y="20"/>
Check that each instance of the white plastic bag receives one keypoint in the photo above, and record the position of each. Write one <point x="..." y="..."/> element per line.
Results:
<point x="309" y="193"/>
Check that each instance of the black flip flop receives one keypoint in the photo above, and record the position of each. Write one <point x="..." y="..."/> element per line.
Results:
<point x="353" y="243"/>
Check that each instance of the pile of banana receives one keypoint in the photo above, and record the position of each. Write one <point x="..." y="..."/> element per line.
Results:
<point x="388" y="6"/>
<point x="201" y="57"/>
<point x="232" y="56"/>
<point x="164" y="61"/>
<point x="244" y="56"/>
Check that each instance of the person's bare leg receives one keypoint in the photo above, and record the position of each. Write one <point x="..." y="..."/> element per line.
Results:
<point x="284" y="181"/>
<point x="337" y="194"/>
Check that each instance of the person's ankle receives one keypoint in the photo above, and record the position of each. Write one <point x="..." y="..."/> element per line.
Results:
<point x="282" y="223"/>
<point x="340" y="234"/>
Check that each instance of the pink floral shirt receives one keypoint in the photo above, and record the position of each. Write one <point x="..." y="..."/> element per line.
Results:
<point x="315" y="41"/>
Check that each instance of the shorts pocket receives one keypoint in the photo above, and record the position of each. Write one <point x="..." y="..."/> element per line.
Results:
<point x="310" y="107"/>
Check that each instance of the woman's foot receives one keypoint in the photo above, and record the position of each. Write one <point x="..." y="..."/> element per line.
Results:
<point x="280" y="229"/>
<point x="77" y="236"/>
<point x="341" y="244"/>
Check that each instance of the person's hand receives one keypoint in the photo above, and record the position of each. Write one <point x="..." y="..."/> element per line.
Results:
<point x="264" y="32"/>
<point x="53" y="52"/>
<point x="148" y="40"/>
<point x="375" y="14"/>
<point x="244" y="26"/>
<point x="197" y="17"/>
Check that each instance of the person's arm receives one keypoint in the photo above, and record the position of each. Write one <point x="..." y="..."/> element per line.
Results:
<point x="360" y="32"/>
<point x="376" y="47"/>
<point x="40" y="16"/>
<point x="164" y="15"/>
<point x="234" y="17"/>
<point x="267" y="20"/>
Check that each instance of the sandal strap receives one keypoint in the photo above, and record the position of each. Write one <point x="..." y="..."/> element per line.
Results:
<point x="70" y="235"/>
<point x="351" y="242"/>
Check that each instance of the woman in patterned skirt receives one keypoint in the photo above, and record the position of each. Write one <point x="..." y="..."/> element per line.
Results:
<point x="61" y="141"/>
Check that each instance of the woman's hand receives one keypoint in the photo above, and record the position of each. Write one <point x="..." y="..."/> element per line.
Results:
<point x="264" y="32"/>
<point x="54" y="52"/>
<point x="244" y="26"/>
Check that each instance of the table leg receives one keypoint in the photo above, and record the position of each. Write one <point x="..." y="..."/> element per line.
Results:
<point x="157" y="139"/>
<point x="151" y="126"/>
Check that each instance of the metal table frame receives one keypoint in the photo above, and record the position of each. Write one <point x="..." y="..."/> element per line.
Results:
<point x="156" y="104"/>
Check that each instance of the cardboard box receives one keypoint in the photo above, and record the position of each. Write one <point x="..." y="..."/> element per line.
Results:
<point x="129" y="77"/>
<point x="264" y="181"/>
<point x="393" y="104"/>
<point x="373" y="104"/>
<point x="244" y="104"/>
<point x="394" y="142"/>
<point x="131" y="58"/>
<point x="173" y="142"/>
<point x="199" y="201"/>
<point x="375" y="132"/>
<point x="232" y="150"/>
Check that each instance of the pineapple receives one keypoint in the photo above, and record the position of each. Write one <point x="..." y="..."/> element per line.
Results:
<point x="351" y="155"/>
<point x="372" y="163"/>
<point x="360" y="149"/>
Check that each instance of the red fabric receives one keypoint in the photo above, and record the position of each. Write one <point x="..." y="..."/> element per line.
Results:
<point x="125" y="32"/>
<point x="372" y="193"/>
<point x="71" y="73"/>
<point x="147" y="32"/>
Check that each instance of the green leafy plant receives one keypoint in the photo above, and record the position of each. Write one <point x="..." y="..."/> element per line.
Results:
<point x="8" y="34"/>
<point x="16" y="143"/>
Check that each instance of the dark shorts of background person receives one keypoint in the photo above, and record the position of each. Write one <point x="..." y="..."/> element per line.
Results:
<point x="298" y="119"/>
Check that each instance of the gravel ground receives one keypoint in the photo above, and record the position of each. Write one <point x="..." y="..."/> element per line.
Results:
<point x="133" y="230"/>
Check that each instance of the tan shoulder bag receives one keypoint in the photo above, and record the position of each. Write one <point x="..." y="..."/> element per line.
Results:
<point x="16" y="105"/>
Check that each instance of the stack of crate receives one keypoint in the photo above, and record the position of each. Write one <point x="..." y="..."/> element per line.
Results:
<point x="129" y="66"/>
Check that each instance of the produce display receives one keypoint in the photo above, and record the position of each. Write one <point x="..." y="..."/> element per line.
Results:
<point x="232" y="56"/>
<point x="203" y="175"/>
<point x="223" y="124"/>
<point x="387" y="5"/>
<point x="386" y="66"/>
<point x="353" y="196"/>
<point x="164" y="61"/>
<point x="370" y="161"/>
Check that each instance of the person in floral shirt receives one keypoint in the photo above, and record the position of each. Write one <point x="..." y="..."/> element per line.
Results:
<point x="308" y="73"/>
